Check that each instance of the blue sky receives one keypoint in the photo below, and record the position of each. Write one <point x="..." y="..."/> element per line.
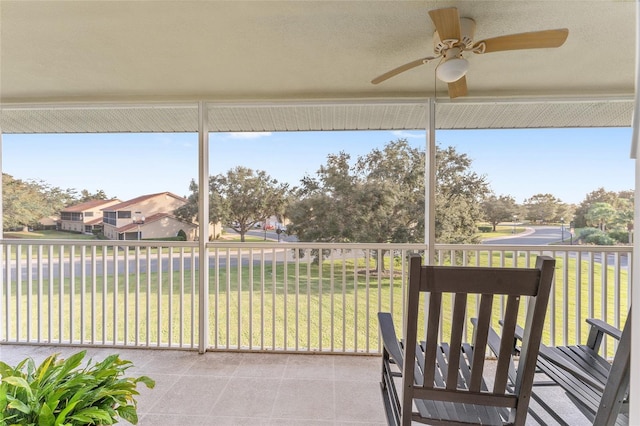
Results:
<point x="568" y="163"/>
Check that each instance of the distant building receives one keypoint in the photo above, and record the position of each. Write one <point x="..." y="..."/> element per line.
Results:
<point x="146" y="217"/>
<point x="84" y="217"/>
<point x="49" y="223"/>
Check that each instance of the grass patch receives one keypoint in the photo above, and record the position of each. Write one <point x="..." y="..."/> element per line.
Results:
<point x="49" y="235"/>
<point x="501" y="231"/>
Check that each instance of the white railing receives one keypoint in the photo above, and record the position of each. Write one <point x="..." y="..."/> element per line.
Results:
<point x="296" y="297"/>
<point x="99" y="293"/>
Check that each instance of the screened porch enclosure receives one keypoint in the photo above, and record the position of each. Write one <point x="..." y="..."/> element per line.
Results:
<point x="202" y="67"/>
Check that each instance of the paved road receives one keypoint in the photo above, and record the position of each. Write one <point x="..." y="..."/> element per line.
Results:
<point x="537" y="236"/>
<point x="545" y="235"/>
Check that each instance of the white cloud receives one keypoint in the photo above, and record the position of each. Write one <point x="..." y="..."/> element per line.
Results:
<point x="407" y="135"/>
<point x="248" y="135"/>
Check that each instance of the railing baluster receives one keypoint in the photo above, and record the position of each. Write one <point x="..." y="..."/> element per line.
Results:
<point x="94" y="279"/>
<point x="125" y="313"/>
<point x="170" y="303"/>
<point x="296" y="261"/>
<point x="29" y="289"/>
<point x="50" y="260"/>
<point x="239" y="260"/>
<point x="18" y="291"/>
<point x="262" y="299"/>
<point x="116" y="281"/>
<point x="285" y="291"/>
<point x="366" y="295"/>
<point x="273" y="302"/>
<point x="181" y="301"/>
<point x="250" y="289"/>
<point x="194" y="312"/>
<point x="105" y="281"/>
<point x="147" y="258"/>
<point x="40" y="285"/>
<point x="136" y="324"/>
<point x="307" y="254"/>
<point x="579" y="319"/>
<point x="159" y="249"/>
<point x="72" y="291"/>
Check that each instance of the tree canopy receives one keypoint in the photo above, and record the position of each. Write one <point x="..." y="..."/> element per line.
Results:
<point x="239" y="199"/>
<point x="380" y="198"/>
<point x="25" y="202"/>
<point x="499" y="209"/>
<point x="542" y="208"/>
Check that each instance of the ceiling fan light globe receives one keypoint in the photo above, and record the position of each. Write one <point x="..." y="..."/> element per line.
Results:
<point x="452" y="70"/>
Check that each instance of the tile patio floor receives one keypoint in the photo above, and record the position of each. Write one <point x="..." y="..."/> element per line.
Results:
<point x="226" y="388"/>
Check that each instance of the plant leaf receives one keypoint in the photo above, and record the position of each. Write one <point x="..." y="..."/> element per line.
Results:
<point x="19" y="382"/>
<point x="18" y="405"/>
<point x="147" y="381"/>
<point x="63" y="414"/>
<point x="72" y="362"/>
<point x="128" y="413"/>
<point x="46" y="417"/>
<point x="91" y="414"/>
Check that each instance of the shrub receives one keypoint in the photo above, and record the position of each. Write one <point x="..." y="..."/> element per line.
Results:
<point x="619" y="236"/>
<point x="60" y="392"/>
<point x="597" y="237"/>
<point x="182" y="236"/>
<point x="585" y="232"/>
<point x="485" y="228"/>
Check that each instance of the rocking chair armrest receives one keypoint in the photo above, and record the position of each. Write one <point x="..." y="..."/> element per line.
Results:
<point x="553" y="357"/>
<point x="597" y="331"/>
<point x="389" y="338"/>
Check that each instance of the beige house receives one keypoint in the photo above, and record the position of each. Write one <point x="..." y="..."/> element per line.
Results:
<point x="158" y="225"/>
<point x="84" y="217"/>
<point x="146" y="217"/>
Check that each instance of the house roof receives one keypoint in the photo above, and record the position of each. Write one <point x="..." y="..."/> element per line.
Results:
<point x="96" y="221"/>
<point x="141" y="66"/>
<point x="88" y="205"/>
<point x="153" y="218"/>
<point x="140" y="199"/>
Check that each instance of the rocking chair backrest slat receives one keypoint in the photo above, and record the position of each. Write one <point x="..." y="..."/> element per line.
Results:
<point x="457" y="328"/>
<point x="433" y="325"/>
<point x="480" y="340"/>
<point x="506" y="344"/>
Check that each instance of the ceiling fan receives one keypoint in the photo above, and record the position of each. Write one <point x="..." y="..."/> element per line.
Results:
<point x="454" y="36"/>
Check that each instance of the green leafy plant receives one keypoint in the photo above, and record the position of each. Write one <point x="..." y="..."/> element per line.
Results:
<point x="60" y="392"/>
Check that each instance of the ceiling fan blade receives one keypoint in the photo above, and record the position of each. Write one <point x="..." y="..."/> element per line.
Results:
<point x="401" y="68"/>
<point x="447" y="22"/>
<point x="458" y="88"/>
<point x="532" y="40"/>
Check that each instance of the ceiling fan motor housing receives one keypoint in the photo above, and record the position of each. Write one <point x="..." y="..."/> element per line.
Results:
<point x="467" y="31"/>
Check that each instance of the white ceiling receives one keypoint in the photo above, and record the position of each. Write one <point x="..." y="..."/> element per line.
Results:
<point x="303" y="65"/>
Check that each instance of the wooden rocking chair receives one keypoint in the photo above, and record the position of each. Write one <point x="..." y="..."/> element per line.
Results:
<point x="443" y="383"/>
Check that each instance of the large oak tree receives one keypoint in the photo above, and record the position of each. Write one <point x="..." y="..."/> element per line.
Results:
<point x="380" y="198"/>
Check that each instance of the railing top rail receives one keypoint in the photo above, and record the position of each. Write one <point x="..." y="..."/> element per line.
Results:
<point x="318" y="245"/>
<point x="294" y="245"/>
<point x="98" y="243"/>
<point x="536" y="248"/>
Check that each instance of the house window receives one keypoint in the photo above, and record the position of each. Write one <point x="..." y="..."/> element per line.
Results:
<point x="71" y="216"/>
<point x="125" y="214"/>
<point x="88" y="214"/>
<point x="110" y="218"/>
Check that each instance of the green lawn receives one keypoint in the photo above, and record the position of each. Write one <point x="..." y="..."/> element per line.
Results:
<point x="501" y="231"/>
<point x="49" y="235"/>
